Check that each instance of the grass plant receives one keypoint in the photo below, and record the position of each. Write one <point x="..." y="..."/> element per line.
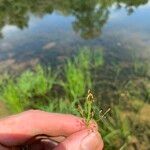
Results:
<point x="62" y="105"/>
<point x="87" y="109"/>
<point x="36" y="83"/>
<point x="11" y="97"/>
<point x="75" y="80"/>
<point x="116" y="128"/>
<point x="78" y="71"/>
<point x="16" y="93"/>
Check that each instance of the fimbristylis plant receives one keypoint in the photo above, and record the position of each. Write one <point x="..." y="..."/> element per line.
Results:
<point x="87" y="111"/>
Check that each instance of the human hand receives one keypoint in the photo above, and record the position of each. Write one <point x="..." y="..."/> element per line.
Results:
<point x="39" y="130"/>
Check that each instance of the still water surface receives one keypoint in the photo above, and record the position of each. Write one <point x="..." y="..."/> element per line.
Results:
<point x="45" y="31"/>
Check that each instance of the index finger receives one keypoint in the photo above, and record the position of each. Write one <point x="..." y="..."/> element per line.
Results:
<point x="19" y="128"/>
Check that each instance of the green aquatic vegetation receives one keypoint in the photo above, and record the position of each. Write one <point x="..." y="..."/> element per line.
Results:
<point x="75" y="80"/>
<point x="140" y="67"/>
<point x="116" y="130"/>
<point x="24" y="84"/>
<point x="90" y="58"/>
<point x="39" y="81"/>
<point x="43" y="80"/>
<point x="79" y="70"/>
<point x="62" y="105"/>
<point x="18" y="93"/>
<point x="76" y="72"/>
<point x="11" y="97"/>
<point x="117" y="69"/>
<point x="35" y="83"/>
<point x="98" y="57"/>
<point x="83" y="59"/>
<point x="3" y="78"/>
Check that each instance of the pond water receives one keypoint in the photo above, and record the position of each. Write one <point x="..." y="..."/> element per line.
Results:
<point x="46" y="31"/>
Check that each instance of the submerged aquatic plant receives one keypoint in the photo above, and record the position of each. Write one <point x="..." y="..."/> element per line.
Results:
<point x="98" y="58"/>
<point x="59" y="105"/>
<point x="116" y="128"/>
<point x="11" y="97"/>
<point x="37" y="82"/>
<point x="81" y="69"/>
<point x="18" y="93"/>
<point x="75" y="84"/>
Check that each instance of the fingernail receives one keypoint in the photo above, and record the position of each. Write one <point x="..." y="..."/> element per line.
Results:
<point x="89" y="142"/>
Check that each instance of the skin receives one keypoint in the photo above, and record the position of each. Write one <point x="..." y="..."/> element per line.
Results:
<point x="39" y="130"/>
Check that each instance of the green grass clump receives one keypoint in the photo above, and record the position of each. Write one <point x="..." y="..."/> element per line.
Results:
<point x="36" y="83"/>
<point x="98" y="58"/>
<point x="83" y="59"/>
<point x="116" y="130"/>
<point x="43" y="81"/>
<point x="3" y="78"/>
<point x="75" y="80"/>
<point x="18" y="93"/>
<point x="78" y="71"/>
<point x="88" y="58"/>
<point x="58" y="105"/>
<point x="25" y="84"/>
<point x="11" y="97"/>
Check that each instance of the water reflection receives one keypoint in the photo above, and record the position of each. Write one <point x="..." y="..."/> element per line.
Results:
<point x="90" y="16"/>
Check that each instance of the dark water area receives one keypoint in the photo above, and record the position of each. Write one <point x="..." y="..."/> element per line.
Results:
<point x="49" y="32"/>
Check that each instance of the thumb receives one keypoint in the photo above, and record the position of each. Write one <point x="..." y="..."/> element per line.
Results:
<point x="82" y="140"/>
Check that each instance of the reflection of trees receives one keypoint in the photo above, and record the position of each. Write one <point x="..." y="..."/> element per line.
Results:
<point x="90" y="20"/>
<point x="90" y="15"/>
<point x="130" y="5"/>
